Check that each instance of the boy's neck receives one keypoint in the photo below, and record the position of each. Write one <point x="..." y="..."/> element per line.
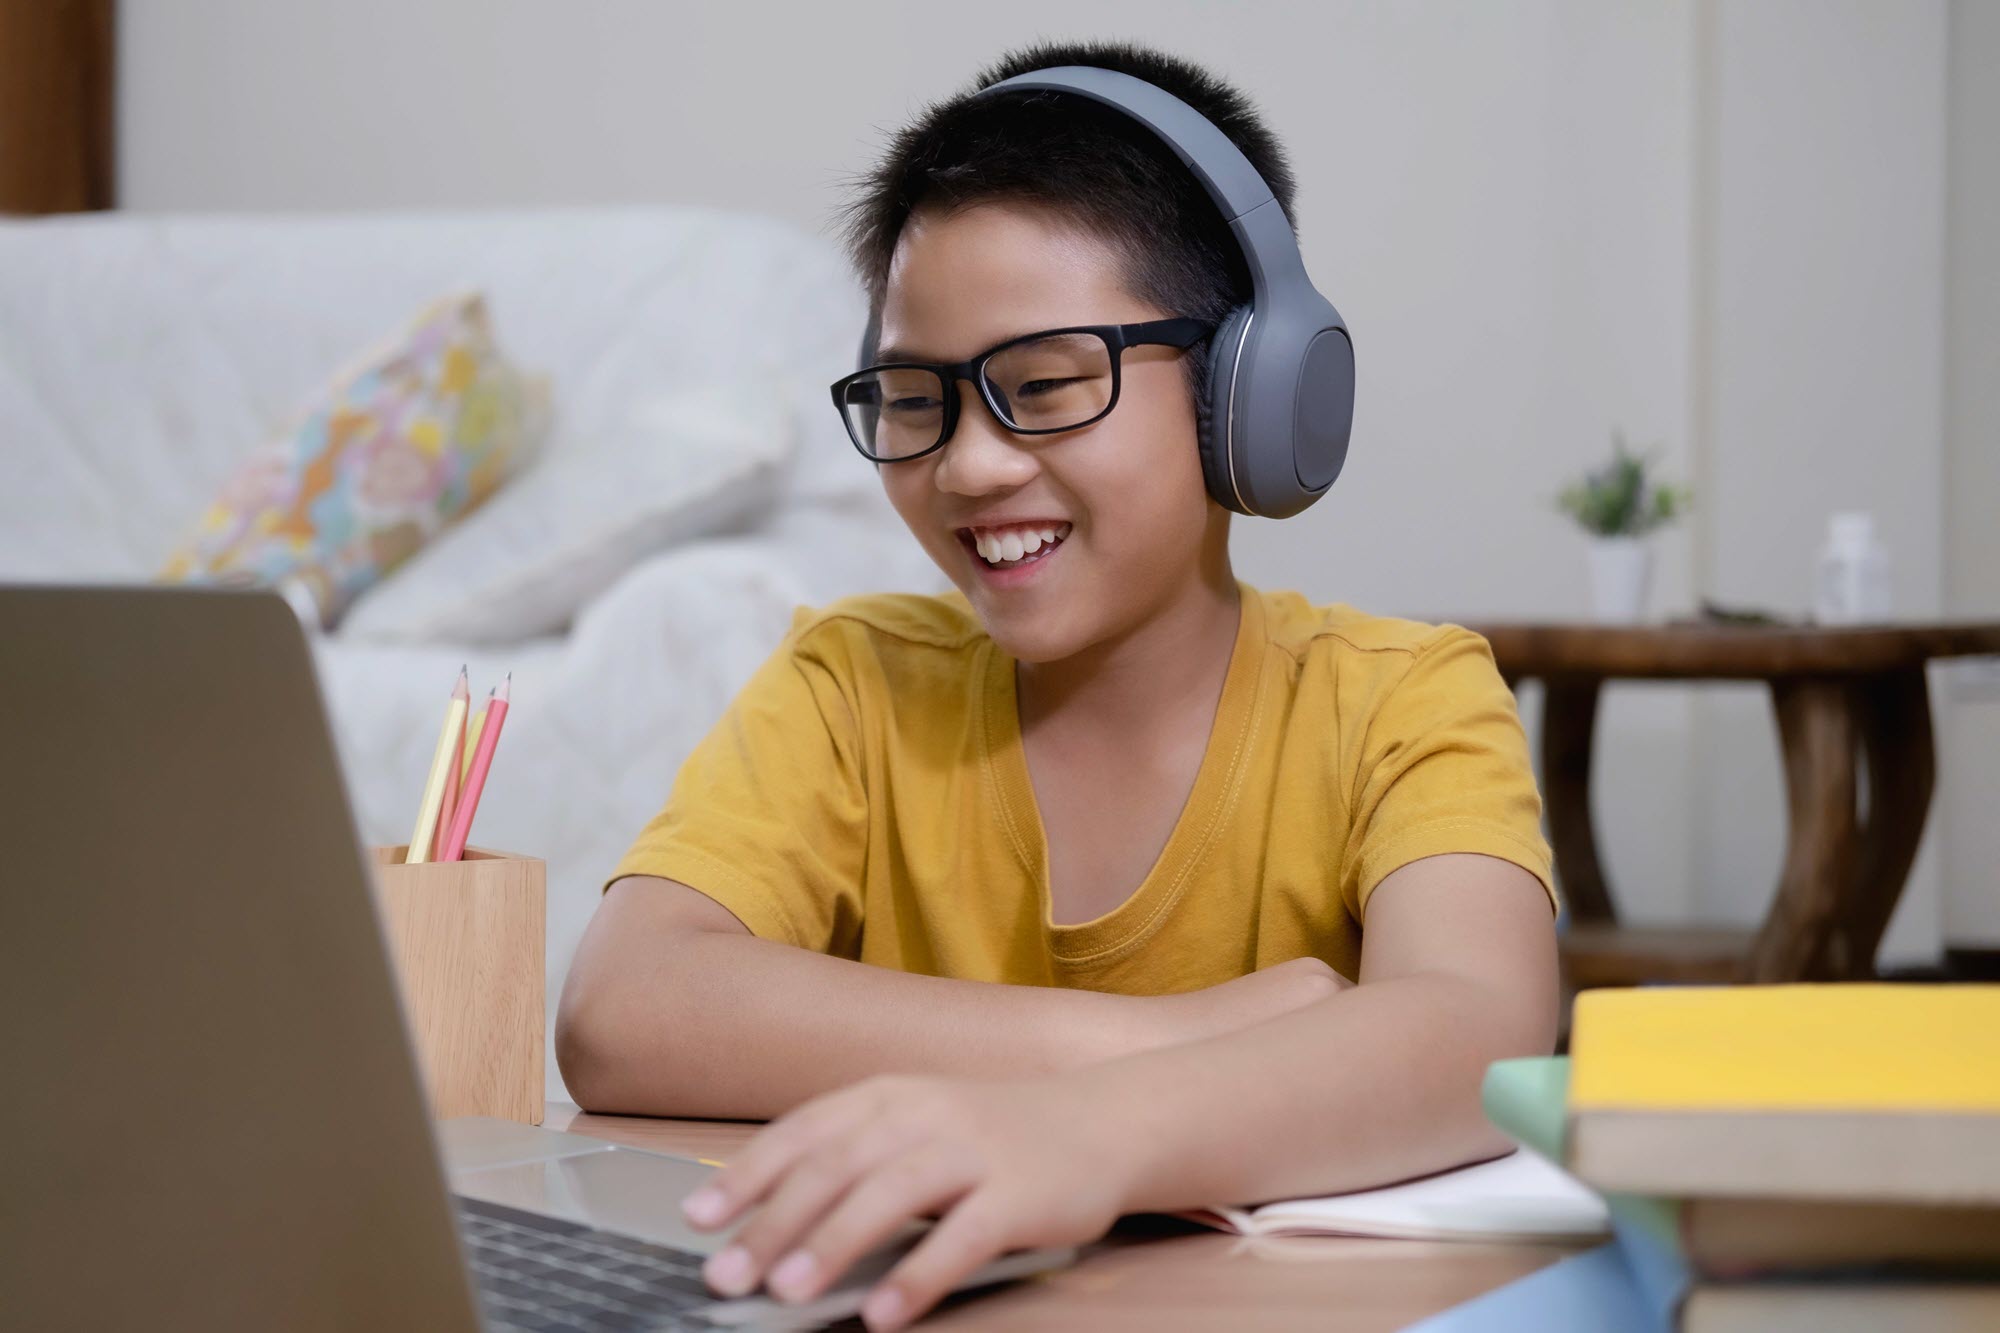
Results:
<point x="1175" y="660"/>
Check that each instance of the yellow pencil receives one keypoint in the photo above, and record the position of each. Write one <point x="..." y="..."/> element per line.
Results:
<point x="471" y="744"/>
<point x="427" y="813"/>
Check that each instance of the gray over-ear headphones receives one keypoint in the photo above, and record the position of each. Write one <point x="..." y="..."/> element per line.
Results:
<point x="1273" y="430"/>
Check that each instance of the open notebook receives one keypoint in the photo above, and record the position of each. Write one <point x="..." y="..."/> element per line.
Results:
<point x="1519" y="1197"/>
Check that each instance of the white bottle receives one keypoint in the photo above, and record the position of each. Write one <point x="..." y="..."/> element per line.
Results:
<point x="1853" y="573"/>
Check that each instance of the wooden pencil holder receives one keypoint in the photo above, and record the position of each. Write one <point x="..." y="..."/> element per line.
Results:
<point x="468" y="938"/>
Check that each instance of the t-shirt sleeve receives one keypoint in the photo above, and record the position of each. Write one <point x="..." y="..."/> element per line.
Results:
<point x="769" y="814"/>
<point x="1442" y="765"/>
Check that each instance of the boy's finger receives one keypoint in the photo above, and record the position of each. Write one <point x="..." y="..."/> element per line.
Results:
<point x="868" y="1215"/>
<point x="798" y="1200"/>
<point x="970" y="1235"/>
<point x="768" y="1155"/>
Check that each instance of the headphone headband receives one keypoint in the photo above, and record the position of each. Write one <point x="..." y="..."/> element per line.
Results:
<point x="1237" y="188"/>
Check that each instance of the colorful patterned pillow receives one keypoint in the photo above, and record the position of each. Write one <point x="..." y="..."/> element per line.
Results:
<point x="412" y="437"/>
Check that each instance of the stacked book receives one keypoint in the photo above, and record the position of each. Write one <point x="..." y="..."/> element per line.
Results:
<point x="1809" y="1157"/>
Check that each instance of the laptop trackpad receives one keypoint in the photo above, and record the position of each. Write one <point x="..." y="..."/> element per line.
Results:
<point x="619" y="1189"/>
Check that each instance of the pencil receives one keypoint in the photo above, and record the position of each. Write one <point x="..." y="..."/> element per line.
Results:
<point x="471" y="743"/>
<point x="453" y="847"/>
<point x="427" y="813"/>
<point x="454" y="777"/>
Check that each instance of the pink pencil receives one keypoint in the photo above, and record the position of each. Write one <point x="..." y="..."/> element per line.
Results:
<point x="451" y="778"/>
<point x="453" y="847"/>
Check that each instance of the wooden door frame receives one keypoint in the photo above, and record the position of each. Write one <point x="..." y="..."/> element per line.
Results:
<point x="57" y="99"/>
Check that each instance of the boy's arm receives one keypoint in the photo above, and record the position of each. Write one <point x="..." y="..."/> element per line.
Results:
<point x="672" y="1007"/>
<point x="1377" y="1084"/>
<point x="1368" y="1086"/>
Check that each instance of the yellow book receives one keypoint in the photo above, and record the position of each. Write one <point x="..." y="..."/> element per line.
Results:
<point x="1852" y="1090"/>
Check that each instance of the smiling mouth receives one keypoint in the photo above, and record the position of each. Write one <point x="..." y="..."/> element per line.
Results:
<point x="1008" y="548"/>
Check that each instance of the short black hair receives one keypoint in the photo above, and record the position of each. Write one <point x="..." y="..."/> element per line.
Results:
<point x="1085" y="163"/>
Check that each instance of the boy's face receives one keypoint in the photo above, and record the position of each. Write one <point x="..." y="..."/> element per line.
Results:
<point x="1124" y="494"/>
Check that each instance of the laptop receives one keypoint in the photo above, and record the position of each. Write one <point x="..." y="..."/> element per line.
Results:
<point x="213" y="1117"/>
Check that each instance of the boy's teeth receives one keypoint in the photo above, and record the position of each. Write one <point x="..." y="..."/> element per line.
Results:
<point x="1013" y="544"/>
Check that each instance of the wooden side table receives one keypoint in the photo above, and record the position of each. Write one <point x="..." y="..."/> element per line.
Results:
<point x="1844" y="698"/>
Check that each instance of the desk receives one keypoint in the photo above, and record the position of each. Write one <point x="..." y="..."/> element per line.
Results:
<point x="1846" y="701"/>
<point x="1161" y="1274"/>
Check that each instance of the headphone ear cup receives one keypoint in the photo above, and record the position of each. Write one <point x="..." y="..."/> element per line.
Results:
<point x="1212" y="409"/>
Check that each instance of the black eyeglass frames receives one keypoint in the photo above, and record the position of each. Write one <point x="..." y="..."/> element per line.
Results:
<point x="1037" y="384"/>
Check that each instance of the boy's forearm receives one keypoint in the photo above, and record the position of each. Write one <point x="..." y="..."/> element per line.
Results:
<point x="737" y="1027"/>
<point x="1373" y="1085"/>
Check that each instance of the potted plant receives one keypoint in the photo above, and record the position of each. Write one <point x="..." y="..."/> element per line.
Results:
<point x="1619" y="505"/>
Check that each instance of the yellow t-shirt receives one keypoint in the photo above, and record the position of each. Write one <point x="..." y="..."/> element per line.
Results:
<point x="866" y="796"/>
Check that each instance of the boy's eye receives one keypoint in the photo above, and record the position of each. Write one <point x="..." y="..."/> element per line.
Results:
<point x="913" y="404"/>
<point x="1033" y="387"/>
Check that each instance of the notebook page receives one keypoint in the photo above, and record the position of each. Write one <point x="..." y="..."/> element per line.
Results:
<point x="1517" y="1197"/>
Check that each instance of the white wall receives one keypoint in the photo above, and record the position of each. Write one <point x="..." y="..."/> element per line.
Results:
<point x="1716" y="227"/>
<point x="1823" y="360"/>
<point x="1969" y="737"/>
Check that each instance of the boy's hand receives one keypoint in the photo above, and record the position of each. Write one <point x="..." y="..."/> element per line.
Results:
<point x="1008" y="1164"/>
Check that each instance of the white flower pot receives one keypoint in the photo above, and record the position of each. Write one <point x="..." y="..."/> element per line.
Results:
<point x="1621" y="571"/>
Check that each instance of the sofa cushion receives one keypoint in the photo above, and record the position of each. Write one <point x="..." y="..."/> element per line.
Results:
<point x="418" y="431"/>
<point x="685" y="465"/>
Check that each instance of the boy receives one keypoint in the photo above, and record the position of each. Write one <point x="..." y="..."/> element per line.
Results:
<point x="1035" y="904"/>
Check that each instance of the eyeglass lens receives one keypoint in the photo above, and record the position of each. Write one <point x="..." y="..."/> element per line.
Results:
<point x="1045" y="384"/>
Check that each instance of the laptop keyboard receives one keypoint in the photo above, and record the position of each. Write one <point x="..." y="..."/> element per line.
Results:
<point x="538" y="1274"/>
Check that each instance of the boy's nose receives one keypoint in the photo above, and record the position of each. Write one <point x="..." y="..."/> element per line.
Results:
<point x="982" y="455"/>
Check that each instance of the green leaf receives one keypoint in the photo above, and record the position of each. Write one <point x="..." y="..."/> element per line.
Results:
<point x="1620" y="499"/>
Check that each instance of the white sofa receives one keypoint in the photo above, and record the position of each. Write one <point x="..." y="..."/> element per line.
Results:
<point x="141" y="357"/>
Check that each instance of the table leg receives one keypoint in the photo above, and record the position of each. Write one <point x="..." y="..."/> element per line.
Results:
<point x="1569" y="722"/>
<point x="1817" y="726"/>
<point x="1895" y="714"/>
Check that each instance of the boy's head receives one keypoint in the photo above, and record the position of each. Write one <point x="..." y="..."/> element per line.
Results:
<point x="1020" y="212"/>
